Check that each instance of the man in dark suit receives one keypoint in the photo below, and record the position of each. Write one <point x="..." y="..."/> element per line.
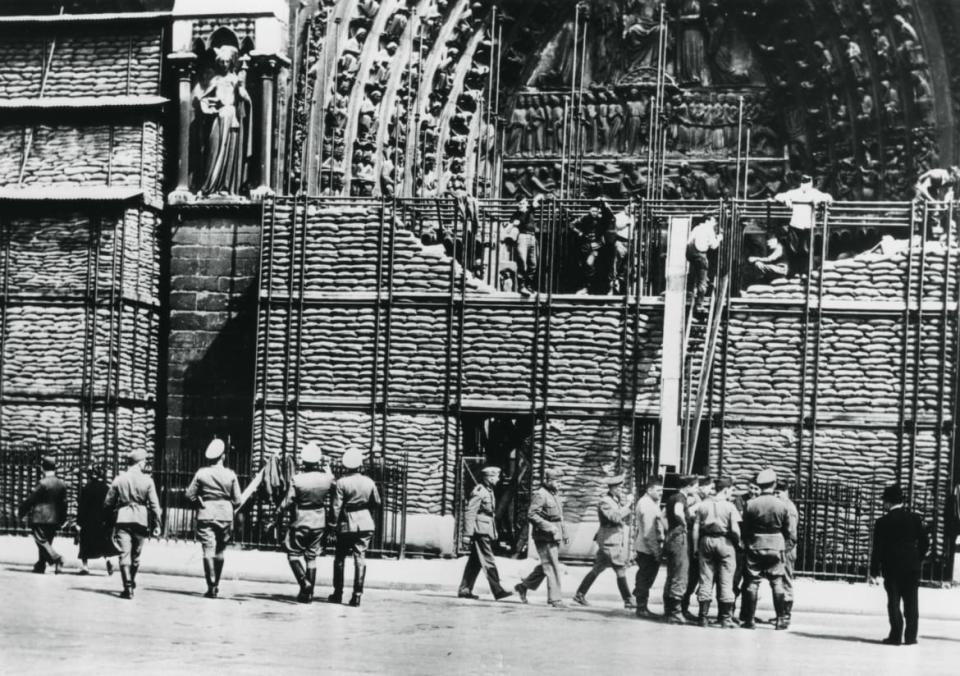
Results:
<point x="900" y="542"/>
<point x="47" y="509"/>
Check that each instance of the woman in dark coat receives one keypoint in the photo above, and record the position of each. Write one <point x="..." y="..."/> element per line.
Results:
<point x="93" y="521"/>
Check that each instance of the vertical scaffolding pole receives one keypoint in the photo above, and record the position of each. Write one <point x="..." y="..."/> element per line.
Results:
<point x="298" y="365"/>
<point x="378" y="304"/>
<point x="460" y="322"/>
<point x="267" y="280"/>
<point x="551" y="239"/>
<point x="941" y="383"/>
<point x="907" y="293"/>
<point x="817" y="335"/>
<point x="917" y="353"/>
<point x="389" y="337"/>
<point x="448" y="378"/>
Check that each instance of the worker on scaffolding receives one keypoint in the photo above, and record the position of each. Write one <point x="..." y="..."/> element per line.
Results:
<point x="703" y="238"/>
<point x="803" y="202"/>
<point x="527" y="250"/>
<point x="590" y="232"/>
<point x="935" y="188"/>
<point x="774" y="264"/>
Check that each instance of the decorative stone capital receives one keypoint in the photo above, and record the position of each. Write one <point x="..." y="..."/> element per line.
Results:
<point x="179" y="196"/>
<point x="267" y="64"/>
<point x="182" y="64"/>
<point x="261" y="193"/>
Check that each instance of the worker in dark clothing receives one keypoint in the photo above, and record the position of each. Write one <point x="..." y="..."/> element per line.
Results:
<point x="527" y="246"/>
<point x="591" y="231"/>
<point x="94" y="522"/>
<point x="676" y="550"/>
<point x="900" y="542"/>
<point x="767" y="533"/>
<point x="46" y="508"/>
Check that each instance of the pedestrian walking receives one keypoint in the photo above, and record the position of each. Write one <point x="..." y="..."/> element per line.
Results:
<point x="767" y="534"/>
<point x="480" y="531"/>
<point x="716" y="531"/>
<point x="705" y="489"/>
<point x="648" y="535"/>
<point x="94" y="522"/>
<point x="613" y="546"/>
<point x="306" y="500"/>
<point x="132" y="497"/>
<point x="355" y="496"/>
<point x="46" y="510"/>
<point x="549" y="531"/>
<point x="216" y="492"/>
<point x="900" y="542"/>
<point x="790" y="555"/>
<point x="676" y="551"/>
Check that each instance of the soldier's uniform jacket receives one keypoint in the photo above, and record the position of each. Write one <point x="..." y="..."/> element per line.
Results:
<point x="134" y="497"/>
<point x="766" y="525"/>
<point x="308" y="495"/>
<point x="612" y="536"/>
<point x="47" y="505"/>
<point x="546" y="516"/>
<point x="354" y="496"/>
<point x="481" y="509"/>
<point x="794" y="515"/>
<point x="219" y="490"/>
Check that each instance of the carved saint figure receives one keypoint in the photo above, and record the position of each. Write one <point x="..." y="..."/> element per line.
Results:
<point x="693" y="62"/>
<point x="223" y="112"/>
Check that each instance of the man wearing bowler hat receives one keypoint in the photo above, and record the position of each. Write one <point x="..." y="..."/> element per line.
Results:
<point x="47" y="508"/>
<point x="355" y="497"/>
<point x="549" y="531"/>
<point x="481" y="529"/>
<point x="767" y="535"/>
<point x="216" y="492"/>
<point x="133" y="496"/>
<point x="900" y="542"/>
<point x="306" y="499"/>
<point x="612" y="538"/>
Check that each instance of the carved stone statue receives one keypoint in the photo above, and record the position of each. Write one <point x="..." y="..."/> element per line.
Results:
<point x="693" y="58"/>
<point x="223" y="113"/>
<point x="641" y="38"/>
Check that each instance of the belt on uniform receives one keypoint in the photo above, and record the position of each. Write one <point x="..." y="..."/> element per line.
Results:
<point x="715" y="535"/>
<point x="355" y="508"/>
<point x="554" y="519"/>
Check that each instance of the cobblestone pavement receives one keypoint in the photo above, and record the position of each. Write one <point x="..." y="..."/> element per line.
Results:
<point x="72" y="624"/>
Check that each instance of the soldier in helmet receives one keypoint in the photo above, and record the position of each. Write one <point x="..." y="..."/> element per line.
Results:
<point x="549" y="531"/>
<point x="481" y="530"/>
<point x="767" y="534"/>
<point x="355" y="497"/>
<point x="613" y="546"/>
<point x="306" y="499"/>
<point x="216" y="491"/>
<point x="133" y="497"/>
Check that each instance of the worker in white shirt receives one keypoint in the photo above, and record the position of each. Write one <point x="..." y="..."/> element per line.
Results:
<point x="803" y="202"/>
<point x="703" y="238"/>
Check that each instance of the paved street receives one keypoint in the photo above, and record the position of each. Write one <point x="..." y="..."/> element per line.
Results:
<point x="70" y="624"/>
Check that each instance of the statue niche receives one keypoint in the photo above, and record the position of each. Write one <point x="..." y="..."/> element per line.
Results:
<point x="222" y="122"/>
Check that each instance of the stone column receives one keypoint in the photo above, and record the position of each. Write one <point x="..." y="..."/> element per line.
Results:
<point x="183" y="65"/>
<point x="267" y="67"/>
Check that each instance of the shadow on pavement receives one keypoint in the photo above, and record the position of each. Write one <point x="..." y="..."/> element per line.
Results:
<point x="833" y="637"/>
<point x="940" y="638"/>
<point x="115" y="593"/>
<point x="277" y="598"/>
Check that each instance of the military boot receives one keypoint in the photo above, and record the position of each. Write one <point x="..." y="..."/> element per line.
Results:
<point x="217" y="571"/>
<point x="788" y="611"/>
<point x="725" y="616"/>
<point x="671" y="611"/>
<point x="359" y="574"/>
<point x="703" y="619"/>
<point x="749" y="609"/>
<point x="311" y="582"/>
<point x="301" y="577"/>
<point x="337" y="595"/>
<point x="133" y="575"/>
<point x="127" y="592"/>
<point x="208" y="575"/>
<point x="780" y="605"/>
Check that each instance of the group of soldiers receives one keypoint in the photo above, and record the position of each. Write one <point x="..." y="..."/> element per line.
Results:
<point x="713" y="543"/>
<point x="131" y="509"/>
